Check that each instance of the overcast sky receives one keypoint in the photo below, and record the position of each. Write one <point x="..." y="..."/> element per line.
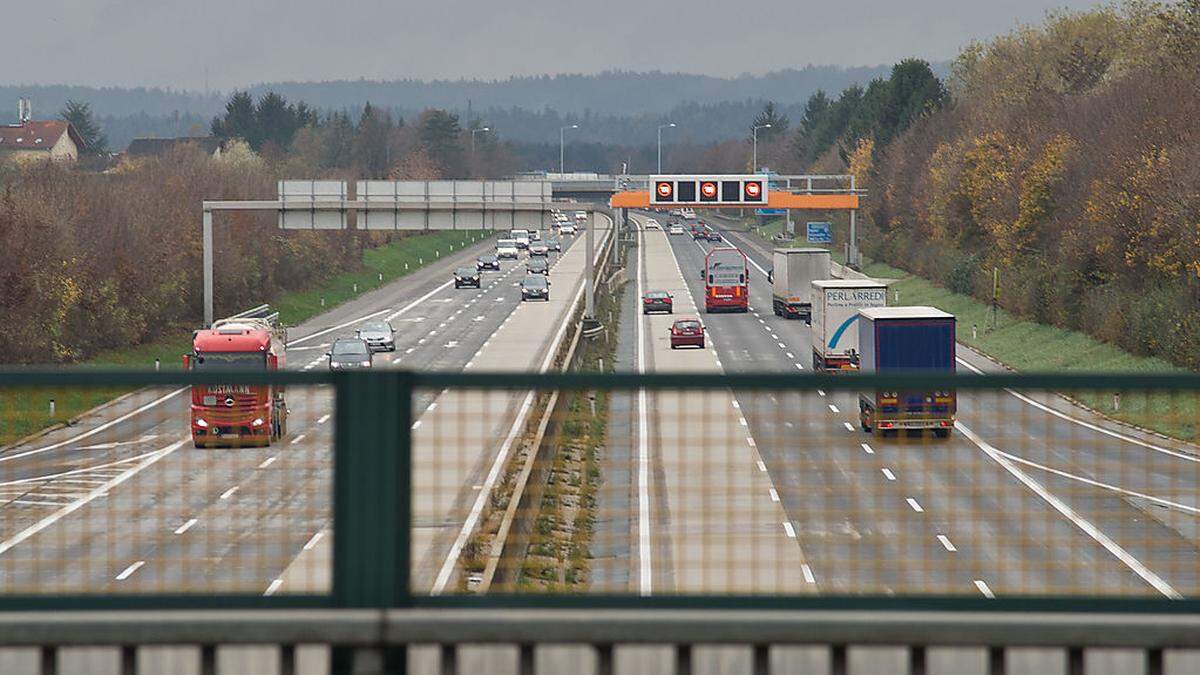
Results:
<point x="230" y="43"/>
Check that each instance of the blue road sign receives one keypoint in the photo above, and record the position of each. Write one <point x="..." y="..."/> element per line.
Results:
<point x="819" y="233"/>
<point x="770" y="212"/>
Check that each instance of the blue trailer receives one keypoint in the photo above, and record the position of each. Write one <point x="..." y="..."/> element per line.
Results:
<point x="906" y="339"/>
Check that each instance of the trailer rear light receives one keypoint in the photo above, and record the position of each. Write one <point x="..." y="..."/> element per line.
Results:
<point x="257" y="422"/>
<point x="885" y="425"/>
<point x="945" y="423"/>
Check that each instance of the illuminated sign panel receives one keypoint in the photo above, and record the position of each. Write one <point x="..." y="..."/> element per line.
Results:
<point x="708" y="190"/>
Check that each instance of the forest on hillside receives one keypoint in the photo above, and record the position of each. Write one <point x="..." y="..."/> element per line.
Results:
<point x="1066" y="162"/>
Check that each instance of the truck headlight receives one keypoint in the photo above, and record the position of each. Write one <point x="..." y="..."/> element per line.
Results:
<point x="257" y="422"/>
<point x="201" y="423"/>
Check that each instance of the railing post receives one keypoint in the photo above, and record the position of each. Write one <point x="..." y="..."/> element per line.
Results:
<point x="372" y="507"/>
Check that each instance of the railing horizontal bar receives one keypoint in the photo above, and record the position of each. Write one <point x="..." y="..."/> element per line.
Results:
<point x="10" y="377"/>
<point x="619" y="627"/>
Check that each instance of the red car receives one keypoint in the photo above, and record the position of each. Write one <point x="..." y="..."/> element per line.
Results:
<point x="687" y="332"/>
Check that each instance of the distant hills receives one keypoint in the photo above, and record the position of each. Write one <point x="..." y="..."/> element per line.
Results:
<point x="611" y="107"/>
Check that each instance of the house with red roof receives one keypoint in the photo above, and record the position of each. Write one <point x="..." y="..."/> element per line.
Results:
<point x="32" y="140"/>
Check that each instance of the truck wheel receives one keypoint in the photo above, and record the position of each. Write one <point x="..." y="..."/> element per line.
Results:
<point x="941" y="433"/>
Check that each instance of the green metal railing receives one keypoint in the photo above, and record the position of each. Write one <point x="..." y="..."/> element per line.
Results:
<point x="372" y="485"/>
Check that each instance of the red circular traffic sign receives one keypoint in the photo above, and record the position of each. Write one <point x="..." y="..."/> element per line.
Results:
<point x="664" y="189"/>
<point x="708" y="190"/>
<point x="753" y="190"/>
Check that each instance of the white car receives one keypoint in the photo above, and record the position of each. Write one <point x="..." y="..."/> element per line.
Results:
<point x="507" y="248"/>
<point x="567" y="228"/>
<point x="675" y="229"/>
<point x="652" y="224"/>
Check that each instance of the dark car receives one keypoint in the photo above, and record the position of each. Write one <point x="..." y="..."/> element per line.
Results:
<point x="349" y="354"/>
<point x="465" y="276"/>
<point x="657" y="301"/>
<point x="487" y="262"/>
<point x="379" y="336"/>
<point x="535" y="287"/>
<point x="687" y="331"/>
<point x="554" y="244"/>
<point x="711" y="234"/>
<point x="537" y="266"/>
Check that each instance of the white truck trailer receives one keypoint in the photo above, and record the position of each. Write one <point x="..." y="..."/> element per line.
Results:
<point x="791" y="278"/>
<point x="836" y="303"/>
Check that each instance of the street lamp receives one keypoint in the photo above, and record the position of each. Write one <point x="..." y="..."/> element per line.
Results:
<point x="476" y="131"/>
<point x="669" y="125"/>
<point x="562" y="147"/>
<point x="754" y="133"/>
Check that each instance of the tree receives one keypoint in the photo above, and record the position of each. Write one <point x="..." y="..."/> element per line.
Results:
<point x="79" y="115"/>
<point x="239" y="121"/>
<point x="372" y="142"/>
<point x="770" y="115"/>
<point x="441" y="136"/>
<point x="1082" y="68"/>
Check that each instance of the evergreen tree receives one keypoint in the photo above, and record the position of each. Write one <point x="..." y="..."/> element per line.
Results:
<point x="79" y="115"/>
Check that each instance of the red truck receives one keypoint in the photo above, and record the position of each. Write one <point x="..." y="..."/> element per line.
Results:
<point x="236" y="415"/>
<point x="726" y="281"/>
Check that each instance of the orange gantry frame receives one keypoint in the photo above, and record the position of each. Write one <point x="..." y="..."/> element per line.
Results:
<point x="640" y="199"/>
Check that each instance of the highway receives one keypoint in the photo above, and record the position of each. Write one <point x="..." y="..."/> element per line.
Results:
<point x="1031" y="495"/>
<point x="122" y="502"/>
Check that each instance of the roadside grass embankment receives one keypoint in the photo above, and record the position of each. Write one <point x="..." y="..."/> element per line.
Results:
<point x="26" y="410"/>
<point x="1033" y="347"/>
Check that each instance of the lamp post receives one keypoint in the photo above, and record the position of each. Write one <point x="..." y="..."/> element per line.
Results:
<point x="754" y="134"/>
<point x="562" y="154"/>
<point x="669" y="125"/>
<point x="476" y="131"/>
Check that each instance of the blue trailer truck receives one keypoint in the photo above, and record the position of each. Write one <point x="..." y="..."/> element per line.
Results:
<point x="906" y="339"/>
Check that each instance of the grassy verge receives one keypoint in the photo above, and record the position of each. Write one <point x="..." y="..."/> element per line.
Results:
<point x="26" y="410"/>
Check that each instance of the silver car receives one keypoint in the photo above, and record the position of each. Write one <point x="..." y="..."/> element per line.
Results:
<point x="379" y="336"/>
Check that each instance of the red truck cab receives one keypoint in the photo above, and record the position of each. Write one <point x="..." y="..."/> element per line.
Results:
<point x="236" y="415"/>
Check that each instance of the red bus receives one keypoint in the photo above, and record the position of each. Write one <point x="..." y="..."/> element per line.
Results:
<point x="726" y="281"/>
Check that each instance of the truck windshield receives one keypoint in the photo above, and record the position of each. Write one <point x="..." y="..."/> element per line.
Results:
<point x="230" y="361"/>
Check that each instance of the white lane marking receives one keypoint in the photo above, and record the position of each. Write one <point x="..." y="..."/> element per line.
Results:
<point x="416" y="424"/>
<point x="645" y="579"/>
<point x="274" y="586"/>
<point x="774" y="494"/>
<point x="130" y="570"/>
<point x="791" y="355"/>
<point x="849" y="427"/>
<point x="432" y="406"/>
<point x="761" y="466"/>
<point x="820" y="392"/>
<point x="1082" y="523"/>
<point x="915" y="506"/>
<point x="323" y="419"/>
<point x="404" y="310"/>
<point x="833" y="408"/>
<point x="340" y="326"/>
<point x="481" y="499"/>
<point x="469" y="363"/>
<point x="186" y="526"/>
<point x="742" y="421"/>
<point x="799" y="367"/>
<point x="791" y="531"/>
<point x="410" y="350"/>
<point x="887" y="473"/>
<point x="298" y="438"/>
<point x="1095" y="483"/>
<point x="308" y="546"/>
<point x="808" y="573"/>
<point x="267" y="462"/>
<point x="946" y="543"/>
<point x="736" y="404"/>
<point x="782" y="346"/>
<point x="1088" y="425"/>
<point x="100" y="470"/>
<point x="750" y="442"/>
<point x="93" y="432"/>
<point x="983" y="588"/>
<point x="82" y="501"/>
<point x="229" y="493"/>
